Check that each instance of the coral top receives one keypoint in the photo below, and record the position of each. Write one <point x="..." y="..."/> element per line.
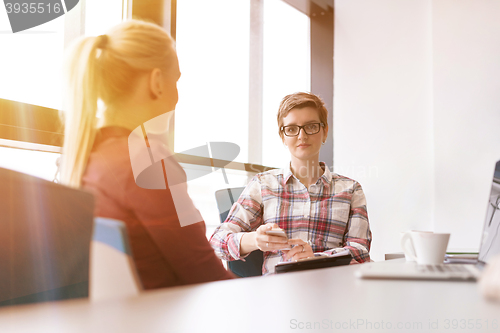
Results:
<point x="164" y="253"/>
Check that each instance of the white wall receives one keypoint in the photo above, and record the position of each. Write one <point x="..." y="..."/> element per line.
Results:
<point x="414" y="99"/>
<point x="466" y="45"/>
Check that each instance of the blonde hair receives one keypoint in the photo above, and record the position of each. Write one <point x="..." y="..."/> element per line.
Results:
<point x="301" y="100"/>
<point x="105" y="67"/>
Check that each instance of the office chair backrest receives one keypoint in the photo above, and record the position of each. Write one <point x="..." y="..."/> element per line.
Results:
<point x="45" y="232"/>
<point x="252" y="266"/>
<point x="225" y="200"/>
<point x="112" y="268"/>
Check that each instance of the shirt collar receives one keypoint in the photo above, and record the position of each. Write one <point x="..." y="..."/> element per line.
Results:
<point x="326" y="177"/>
<point x="287" y="173"/>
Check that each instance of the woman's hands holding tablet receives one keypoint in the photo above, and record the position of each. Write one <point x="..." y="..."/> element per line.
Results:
<point x="301" y="250"/>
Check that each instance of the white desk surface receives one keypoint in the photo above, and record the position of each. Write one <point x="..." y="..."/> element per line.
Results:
<point x="324" y="300"/>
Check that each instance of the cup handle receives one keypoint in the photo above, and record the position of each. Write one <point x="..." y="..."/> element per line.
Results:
<point x="404" y="246"/>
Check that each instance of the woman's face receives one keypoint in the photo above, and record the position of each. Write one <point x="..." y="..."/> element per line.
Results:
<point x="304" y="146"/>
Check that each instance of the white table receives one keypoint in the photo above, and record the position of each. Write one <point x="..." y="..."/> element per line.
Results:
<point x="326" y="300"/>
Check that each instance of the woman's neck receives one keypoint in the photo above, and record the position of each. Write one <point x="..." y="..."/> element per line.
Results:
<point x="306" y="171"/>
<point x="127" y="115"/>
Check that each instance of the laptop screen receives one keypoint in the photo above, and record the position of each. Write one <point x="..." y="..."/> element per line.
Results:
<point x="45" y="233"/>
<point x="490" y="241"/>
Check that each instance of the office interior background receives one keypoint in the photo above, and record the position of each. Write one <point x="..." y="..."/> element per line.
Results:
<point x="412" y="87"/>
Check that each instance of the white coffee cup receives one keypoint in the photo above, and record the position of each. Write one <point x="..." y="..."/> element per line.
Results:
<point x="429" y="247"/>
<point x="410" y="248"/>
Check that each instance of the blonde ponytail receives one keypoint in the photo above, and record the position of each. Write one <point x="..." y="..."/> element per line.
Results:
<point x="106" y="68"/>
<point x="80" y="105"/>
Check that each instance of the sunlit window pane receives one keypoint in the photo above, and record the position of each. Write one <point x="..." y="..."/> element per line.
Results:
<point x="202" y="191"/>
<point x="101" y="15"/>
<point x="286" y="70"/>
<point x="36" y="163"/>
<point x="213" y="49"/>
<point x="31" y="72"/>
<point x="30" y="62"/>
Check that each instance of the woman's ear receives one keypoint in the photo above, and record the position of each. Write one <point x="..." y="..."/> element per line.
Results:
<point x="325" y="133"/>
<point x="156" y="83"/>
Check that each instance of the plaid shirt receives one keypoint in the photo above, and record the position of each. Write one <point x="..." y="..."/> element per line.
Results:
<point x="331" y="215"/>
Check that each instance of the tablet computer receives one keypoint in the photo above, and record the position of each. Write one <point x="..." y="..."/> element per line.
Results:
<point x="315" y="262"/>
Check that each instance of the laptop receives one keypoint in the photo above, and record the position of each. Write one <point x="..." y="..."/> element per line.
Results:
<point x="488" y="248"/>
<point x="45" y="234"/>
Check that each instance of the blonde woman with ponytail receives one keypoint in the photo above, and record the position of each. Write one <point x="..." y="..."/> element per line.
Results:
<point x="133" y="70"/>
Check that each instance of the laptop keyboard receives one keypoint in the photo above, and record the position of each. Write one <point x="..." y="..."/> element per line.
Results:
<point x="443" y="268"/>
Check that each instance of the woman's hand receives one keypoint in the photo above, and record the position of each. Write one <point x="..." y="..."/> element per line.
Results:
<point x="266" y="242"/>
<point x="301" y="250"/>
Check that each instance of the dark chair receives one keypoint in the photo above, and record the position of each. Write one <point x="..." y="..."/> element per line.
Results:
<point x="45" y="234"/>
<point x="252" y="266"/>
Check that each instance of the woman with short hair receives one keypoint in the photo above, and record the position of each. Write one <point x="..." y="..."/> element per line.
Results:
<point x="320" y="211"/>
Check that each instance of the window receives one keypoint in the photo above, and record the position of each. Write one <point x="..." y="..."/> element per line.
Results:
<point x="31" y="62"/>
<point x="22" y="160"/>
<point x="202" y="192"/>
<point x="31" y="66"/>
<point x="102" y="15"/>
<point x="213" y="51"/>
<point x="286" y="70"/>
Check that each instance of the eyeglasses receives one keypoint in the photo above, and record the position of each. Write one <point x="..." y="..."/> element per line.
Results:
<point x="309" y="129"/>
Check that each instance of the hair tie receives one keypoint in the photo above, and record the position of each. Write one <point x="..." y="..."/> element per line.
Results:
<point x="102" y="41"/>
